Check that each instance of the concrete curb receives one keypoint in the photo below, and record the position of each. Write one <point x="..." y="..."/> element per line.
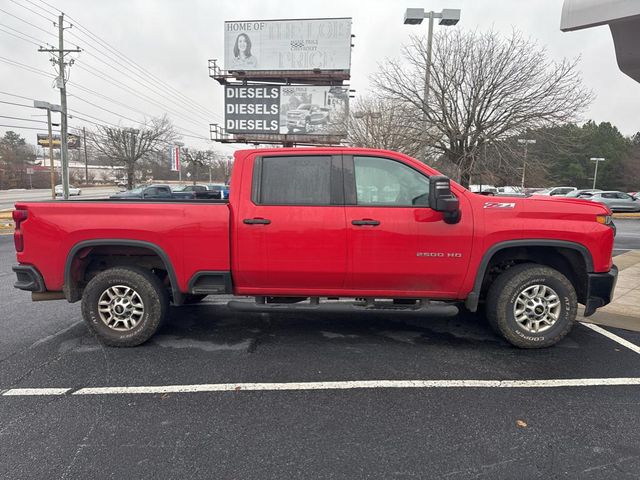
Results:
<point x="614" y="320"/>
<point x="635" y="216"/>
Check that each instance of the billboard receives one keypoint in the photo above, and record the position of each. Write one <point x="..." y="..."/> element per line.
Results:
<point x="305" y="45"/>
<point x="73" y="141"/>
<point x="286" y="109"/>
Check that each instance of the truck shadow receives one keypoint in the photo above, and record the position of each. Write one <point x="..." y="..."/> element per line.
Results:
<point x="217" y="321"/>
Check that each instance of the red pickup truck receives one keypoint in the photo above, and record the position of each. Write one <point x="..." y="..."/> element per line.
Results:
<point x="304" y="227"/>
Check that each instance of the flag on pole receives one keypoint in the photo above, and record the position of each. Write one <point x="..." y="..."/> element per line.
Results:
<point x="175" y="158"/>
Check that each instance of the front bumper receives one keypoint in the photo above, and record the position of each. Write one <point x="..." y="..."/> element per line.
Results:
<point x="600" y="288"/>
<point x="29" y="279"/>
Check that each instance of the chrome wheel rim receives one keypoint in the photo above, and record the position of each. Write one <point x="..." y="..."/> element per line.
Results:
<point x="120" y="308"/>
<point x="537" y="308"/>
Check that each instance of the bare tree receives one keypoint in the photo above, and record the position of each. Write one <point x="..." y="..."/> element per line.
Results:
<point x="376" y="122"/>
<point x="125" y="146"/>
<point x="484" y="88"/>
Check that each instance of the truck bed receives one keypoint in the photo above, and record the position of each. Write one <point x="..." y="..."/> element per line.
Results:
<point x="193" y="234"/>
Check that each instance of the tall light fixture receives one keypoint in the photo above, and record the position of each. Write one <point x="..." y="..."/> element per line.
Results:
<point x="525" y="142"/>
<point x="414" y="16"/>
<point x="595" y="174"/>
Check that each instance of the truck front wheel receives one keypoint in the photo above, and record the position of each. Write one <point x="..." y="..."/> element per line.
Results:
<point x="124" y="306"/>
<point x="532" y="306"/>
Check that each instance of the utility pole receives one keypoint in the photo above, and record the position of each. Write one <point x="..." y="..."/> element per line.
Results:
<point x="61" y="84"/>
<point x="86" y="162"/>
<point x="525" y="142"/>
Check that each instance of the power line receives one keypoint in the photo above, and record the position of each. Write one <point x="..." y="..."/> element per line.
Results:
<point x="28" y="23"/>
<point x="102" y="108"/>
<point x="109" y="99"/>
<point x="54" y="13"/>
<point x="26" y="128"/>
<point x="40" y="42"/>
<point x="22" y="33"/>
<point x="17" y="104"/>
<point x="26" y="67"/>
<point x="32" y="11"/>
<point x="104" y="44"/>
<point x="23" y="119"/>
<point x="101" y="74"/>
<point x="148" y="75"/>
<point x="21" y="38"/>
<point x="148" y="85"/>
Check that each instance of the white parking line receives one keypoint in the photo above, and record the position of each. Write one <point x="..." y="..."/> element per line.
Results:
<point x="625" y="343"/>
<point x="20" y="392"/>
<point x="340" y="385"/>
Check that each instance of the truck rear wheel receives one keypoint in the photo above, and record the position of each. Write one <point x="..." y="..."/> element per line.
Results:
<point x="532" y="306"/>
<point x="124" y="306"/>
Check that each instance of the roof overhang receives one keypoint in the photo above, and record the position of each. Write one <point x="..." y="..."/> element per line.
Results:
<point x="623" y="18"/>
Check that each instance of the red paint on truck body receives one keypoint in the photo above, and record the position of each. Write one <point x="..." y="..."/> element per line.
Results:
<point x="315" y="251"/>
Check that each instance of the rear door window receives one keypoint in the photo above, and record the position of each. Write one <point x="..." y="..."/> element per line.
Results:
<point x="295" y="180"/>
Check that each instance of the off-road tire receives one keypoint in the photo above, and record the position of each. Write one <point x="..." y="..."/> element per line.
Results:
<point x="150" y="289"/>
<point x="504" y="292"/>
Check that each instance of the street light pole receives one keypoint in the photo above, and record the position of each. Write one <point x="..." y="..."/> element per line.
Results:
<point x="415" y="16"/>
<point x="56" y="108"/>
<point x="525" y="142"/>
<point x="53" y="173"/>
<point x="595" y="174"/>
<point x="367" y="115"/>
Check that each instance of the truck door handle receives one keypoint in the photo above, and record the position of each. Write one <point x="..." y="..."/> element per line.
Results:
<point x="256" y="221"/>
<point x="365" y="221"/>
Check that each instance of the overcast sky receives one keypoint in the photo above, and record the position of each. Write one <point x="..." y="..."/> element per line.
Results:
<point x="173" y="40"/>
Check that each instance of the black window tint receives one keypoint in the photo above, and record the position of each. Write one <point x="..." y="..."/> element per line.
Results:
<point x="296" y="181"/>
<point x="608" y="195"/>
<point x="380" y="181"/>
<point x="151" y="191"/>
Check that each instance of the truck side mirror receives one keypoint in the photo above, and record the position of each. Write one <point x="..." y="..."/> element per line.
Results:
<point x="442" y="200"/>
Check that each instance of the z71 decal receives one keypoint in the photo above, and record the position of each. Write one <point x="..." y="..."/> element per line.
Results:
<point x="499" y="205"/>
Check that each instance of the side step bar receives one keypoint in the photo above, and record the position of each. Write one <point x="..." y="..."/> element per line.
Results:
<point x="423" y="307"/>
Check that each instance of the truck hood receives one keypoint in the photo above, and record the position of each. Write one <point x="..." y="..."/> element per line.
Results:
<point x="564" y="204"/>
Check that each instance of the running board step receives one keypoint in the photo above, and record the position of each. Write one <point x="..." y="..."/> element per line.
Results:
<point x="437" y="309"/>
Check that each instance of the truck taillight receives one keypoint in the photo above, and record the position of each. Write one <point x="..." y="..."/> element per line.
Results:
<point x="19" y="216"/>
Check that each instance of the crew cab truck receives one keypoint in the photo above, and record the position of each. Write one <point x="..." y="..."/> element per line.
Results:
<point x="306" y="226"/>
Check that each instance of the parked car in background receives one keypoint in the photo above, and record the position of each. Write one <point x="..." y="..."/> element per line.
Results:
<point x="210" y="190"/>
<point x="482" y="188"/>
<point x="585" y="192"/>
<point x="72" y="190"/>
<point x="617" y="201"/>
<point x="152" y="192"/>
<point x="555" y="191"/>
<point x="509" y="189"/>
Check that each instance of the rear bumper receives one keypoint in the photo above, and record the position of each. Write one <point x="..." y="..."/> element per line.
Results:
<point x="600" y="288"/>
<point x="28" y="278"/>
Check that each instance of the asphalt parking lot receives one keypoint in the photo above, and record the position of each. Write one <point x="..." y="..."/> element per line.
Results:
<point x="296" y="414"/>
